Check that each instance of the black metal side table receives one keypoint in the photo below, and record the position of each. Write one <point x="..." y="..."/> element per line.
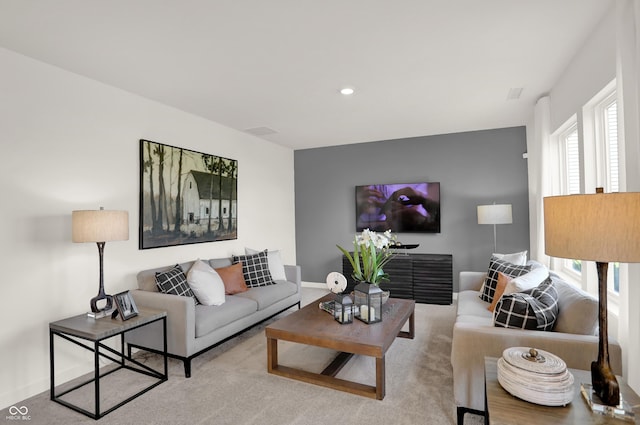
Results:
<point x="95" y="331"/>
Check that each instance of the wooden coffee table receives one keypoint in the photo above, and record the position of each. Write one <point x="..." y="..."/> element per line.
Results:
<point x="313" y="326"/>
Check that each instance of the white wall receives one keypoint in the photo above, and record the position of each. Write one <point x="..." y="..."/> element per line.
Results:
<point x="69" y="143"/>
<point x="596" y="64"/>
<point x="591" y="68"/>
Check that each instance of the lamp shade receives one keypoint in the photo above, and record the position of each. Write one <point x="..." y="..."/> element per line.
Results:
<point x="602" y="227"/>
<point x="99" y="226"/>
<point x="495" y="214"/>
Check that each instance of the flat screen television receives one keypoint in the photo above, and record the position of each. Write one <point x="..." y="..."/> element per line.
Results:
<point x="400" y="207"/>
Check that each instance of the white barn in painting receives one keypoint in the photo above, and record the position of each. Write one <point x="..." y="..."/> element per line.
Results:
<point x="201" y="197"/>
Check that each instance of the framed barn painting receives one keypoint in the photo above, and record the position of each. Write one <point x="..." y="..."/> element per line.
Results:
<point x="186" y="196"/>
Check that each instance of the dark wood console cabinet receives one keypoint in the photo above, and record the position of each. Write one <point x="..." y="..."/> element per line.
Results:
<point x="425" y="278"/>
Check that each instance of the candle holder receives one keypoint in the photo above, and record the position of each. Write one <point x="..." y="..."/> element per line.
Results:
<point x="343" y="309"/>
<point x="368" y="303"/>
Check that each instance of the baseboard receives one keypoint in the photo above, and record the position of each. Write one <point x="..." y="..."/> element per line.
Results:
<point x="20" y="393"/>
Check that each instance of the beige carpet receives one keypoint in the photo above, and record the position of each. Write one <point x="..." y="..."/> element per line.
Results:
<point x="230" y="385"/>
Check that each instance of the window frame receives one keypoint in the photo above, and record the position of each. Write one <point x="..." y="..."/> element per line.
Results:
<point x="560" y="139"/>
<point x="596" y="124"/>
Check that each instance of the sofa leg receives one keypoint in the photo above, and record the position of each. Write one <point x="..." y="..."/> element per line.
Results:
<point x="187" y="368"/>
<point x="461" y="412"/>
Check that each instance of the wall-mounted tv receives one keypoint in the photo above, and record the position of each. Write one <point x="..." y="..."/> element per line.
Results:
<point x="401" y="207"/>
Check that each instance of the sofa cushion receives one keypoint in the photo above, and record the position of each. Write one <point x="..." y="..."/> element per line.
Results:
<point x="578" y="310"/>
<point x="206" y="284"/>
<point x="476" y="320"/>
<point x="210" y="318"/>
<point x="276" y="266"/>
<point x="174" y="282"/>
<point x="536" y="309"/>
<point x="469" y="304"/>
<point x="218" y="263"/>
<point x="265" y="296"/>
<point x="495" y="266"/>
<point x="232" y="278"/>
<point x="255" y="269"/>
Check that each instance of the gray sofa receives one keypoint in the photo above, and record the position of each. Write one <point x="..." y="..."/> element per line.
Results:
<point x="193" y="329"/>
<point x="474" y="336"/>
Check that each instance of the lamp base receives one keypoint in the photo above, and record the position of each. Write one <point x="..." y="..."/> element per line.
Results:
<point x="621" y="411"/>
<point x="101" y="296"/>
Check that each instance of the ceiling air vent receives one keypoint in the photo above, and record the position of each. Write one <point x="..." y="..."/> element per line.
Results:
<point x="260" y="131"/>
<point x="514" y="93"/>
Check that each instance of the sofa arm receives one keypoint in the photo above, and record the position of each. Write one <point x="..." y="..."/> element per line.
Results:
<point x="294" y="274"/>
<point x="471" y="281"/>
<point x="181" y="326"/>
<point x="471" y="343"/>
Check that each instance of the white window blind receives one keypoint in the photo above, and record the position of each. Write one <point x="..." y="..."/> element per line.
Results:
<point x="610" y="121"/>
<point x="572" y="157"/>
<point x="611" y="141"/>
<point x="571" y="184"/>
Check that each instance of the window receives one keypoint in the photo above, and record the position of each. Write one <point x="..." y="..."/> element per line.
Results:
<point x="609" y="135"/>
<point x="572" y="161"/>
<point x="602" y="113"/>
<point x="587" y="154"/>
<point x="609" y="117"/>
<point x="569" y="154"/>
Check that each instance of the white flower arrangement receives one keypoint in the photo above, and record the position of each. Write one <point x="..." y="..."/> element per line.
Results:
<point x="370" y="254"/>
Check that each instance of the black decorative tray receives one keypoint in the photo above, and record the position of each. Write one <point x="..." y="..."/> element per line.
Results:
<point x="407" y="246"/>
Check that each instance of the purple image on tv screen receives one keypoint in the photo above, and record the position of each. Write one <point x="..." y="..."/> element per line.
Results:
<point x="401" y="207"/>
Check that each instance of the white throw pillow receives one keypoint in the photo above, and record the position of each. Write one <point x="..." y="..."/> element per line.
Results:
<point x="517" y="258"/>
<point x="276" y="267"/>
<point x="527" y="281"/>
<point x="206" y="284"/>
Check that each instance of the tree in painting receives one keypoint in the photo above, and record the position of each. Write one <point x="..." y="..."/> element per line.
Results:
<point x="186" y="196"/>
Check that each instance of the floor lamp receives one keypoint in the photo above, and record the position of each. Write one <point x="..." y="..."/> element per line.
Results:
<point x="603" y="228"/>
<point x="100" y="226"/>
<point x="495" y="214"/>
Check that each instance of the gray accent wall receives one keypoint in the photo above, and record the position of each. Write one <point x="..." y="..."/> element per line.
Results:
<point x="473" y="168"/>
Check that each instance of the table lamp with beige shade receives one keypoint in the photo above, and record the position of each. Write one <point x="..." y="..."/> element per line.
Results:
<point x="600" y="227"/>
<point x="100" y="226"/>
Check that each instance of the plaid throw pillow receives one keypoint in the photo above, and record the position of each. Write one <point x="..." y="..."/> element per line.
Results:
<point x="174" y="282"/>
<point x="255" y="269"/>
<point x="496" y="266"/>
<point x="535" y="309"/>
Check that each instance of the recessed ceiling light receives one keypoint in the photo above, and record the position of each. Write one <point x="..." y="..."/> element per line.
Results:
<point x="347" y="91"/>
